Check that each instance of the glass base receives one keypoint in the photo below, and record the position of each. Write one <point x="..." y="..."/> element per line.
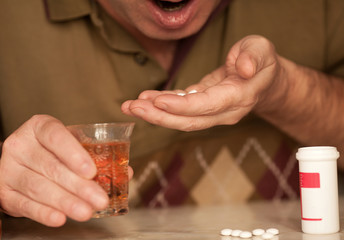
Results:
<point x="110" y="212"/>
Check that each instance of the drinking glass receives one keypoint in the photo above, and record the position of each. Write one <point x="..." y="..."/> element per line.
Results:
<point x="109" y="146"/>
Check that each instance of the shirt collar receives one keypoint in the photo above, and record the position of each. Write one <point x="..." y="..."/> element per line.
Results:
<point x="65" y="10"/>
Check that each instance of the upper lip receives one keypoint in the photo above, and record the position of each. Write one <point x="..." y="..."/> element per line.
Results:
<point x="171" y="0"/>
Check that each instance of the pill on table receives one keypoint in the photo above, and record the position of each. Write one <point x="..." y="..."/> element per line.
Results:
<point x="226" y="232"/>
<point x="245" y="234"/>
<point x="258" y="232"/>
<point x="267" y="235"/>
<point x="236" y="233"/>
<point x="273" y="231"/>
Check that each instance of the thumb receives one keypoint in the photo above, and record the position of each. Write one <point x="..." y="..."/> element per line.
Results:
<point x="246" y="65"/>
<point x="249" y="56"/>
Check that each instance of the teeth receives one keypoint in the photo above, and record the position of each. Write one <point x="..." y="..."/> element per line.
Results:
<point x="171" y="6"/>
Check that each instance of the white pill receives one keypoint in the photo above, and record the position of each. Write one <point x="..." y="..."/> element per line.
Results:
<point x="236" y="233"/>
<point x="226" y="232"/>
<point x="273" y="231"/>
<point x="245" y="234"/>
<point x="181" y="94"/>
<point x="258" y="232"/>
<point x="192" y="91"/>
<point x="267" y="235"/>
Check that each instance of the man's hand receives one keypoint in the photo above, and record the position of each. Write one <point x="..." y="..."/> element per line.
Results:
<point x="296" y="99"/>
<point x="46" y="175"/>
<point x="223" y="97"/>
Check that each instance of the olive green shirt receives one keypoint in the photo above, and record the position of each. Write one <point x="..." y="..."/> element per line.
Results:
<point x="69" y="59"/>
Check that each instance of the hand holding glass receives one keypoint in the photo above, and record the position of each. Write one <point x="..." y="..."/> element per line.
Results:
<point x="109" y="145"/>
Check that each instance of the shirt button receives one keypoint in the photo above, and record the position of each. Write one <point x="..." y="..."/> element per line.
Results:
<point x="140" y="59"/>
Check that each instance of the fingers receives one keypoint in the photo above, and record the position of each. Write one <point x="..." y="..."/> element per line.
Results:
<point x="183" y="102"/>
<point x="39" y="181"/>
<point x="147" y="111"/>
<point x="55" y="137"/>
<point x="130" y="173"/>
<point x="227" y="96"/>
<point x="232" y="91"/>
<point x="40" y="177"/>
<point x="46" y="164"/>
<point x="197" y="104"/>
<point x="146" y="95"/>
<point x="47" y="193"/>
<point x="125" y="108"/>
<point x="31" y="209"/>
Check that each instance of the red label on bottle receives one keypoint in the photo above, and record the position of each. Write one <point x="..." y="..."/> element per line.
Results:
<point x="309" y="180"/>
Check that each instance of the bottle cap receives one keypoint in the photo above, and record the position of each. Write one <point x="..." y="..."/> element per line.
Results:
<point x="319" y="153"/>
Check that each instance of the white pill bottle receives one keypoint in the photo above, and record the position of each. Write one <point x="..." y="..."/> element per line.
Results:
<point x="318" y="189"/>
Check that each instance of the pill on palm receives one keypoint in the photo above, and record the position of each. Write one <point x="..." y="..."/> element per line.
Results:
<point x="226" y="232"/>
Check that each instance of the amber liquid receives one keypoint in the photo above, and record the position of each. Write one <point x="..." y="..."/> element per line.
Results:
<point x="112" y="160"/>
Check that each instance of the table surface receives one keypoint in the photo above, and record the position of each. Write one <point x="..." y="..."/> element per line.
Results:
<point x="187" y="222"/>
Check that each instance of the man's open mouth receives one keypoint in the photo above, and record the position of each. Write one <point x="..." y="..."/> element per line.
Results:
<point x="171" y="6"/>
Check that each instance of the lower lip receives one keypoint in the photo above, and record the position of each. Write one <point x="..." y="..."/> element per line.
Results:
<point x="174" y="19"/>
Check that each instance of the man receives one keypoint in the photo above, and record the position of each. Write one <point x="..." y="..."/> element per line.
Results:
<point x="78" y="61"/>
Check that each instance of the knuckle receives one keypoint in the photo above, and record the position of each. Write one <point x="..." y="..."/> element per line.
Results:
<point x="12" y="142"/>
<point x="39" y="119"/>
<point x="52" y="171"/>
<point x="23" y="206"/>
<point x="43" y="122"/>
<point x="33" y="187"/>
<point x="52" y="134"/>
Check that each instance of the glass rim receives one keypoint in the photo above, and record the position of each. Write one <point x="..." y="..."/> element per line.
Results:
<point x="99" y="125"/>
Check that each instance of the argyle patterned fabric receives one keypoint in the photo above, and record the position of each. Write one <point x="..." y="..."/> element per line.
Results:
<point x="216" y="170"/>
